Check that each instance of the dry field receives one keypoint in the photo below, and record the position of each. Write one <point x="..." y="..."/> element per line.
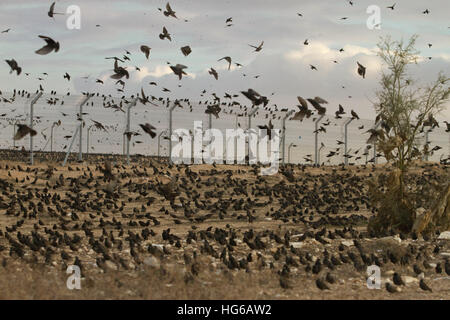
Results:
<point x="152" y="231"/>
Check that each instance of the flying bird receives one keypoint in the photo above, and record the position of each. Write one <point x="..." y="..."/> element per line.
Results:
<point x="268" y="128"/>
<point x="99" y="125"/>
<point x="213" y="109"/>
<point x="257" y="48"/>
<point x="146" y="50"/>
<point x="228" y="59"/>
<point x="354" y="115"/>
<point x="361" y="70"/>
<point x="165" y="34"/>
<point x="51" y="11"/>
<point x="119" y="72"/>
<point x="214" y="73"/>
<point x="14" y="66"/>
<point x="178" y="70"/>
<point x="169" y="12"/>
<point x="391" y="7"/>
<point x="304" y="111"/>
<point x="255" y="97"/>
<point x="51" y="45"/>
<point x="148" y="128"/>
<point x="186" y="50"/>
<point x="23" y="131"/>
<point x="321" y="110"/>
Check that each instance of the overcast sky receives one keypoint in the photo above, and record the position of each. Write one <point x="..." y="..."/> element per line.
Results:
<point x="282" y="64"/>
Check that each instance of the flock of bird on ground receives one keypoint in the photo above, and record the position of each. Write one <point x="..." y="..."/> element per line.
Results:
<point x="125" y="214"/>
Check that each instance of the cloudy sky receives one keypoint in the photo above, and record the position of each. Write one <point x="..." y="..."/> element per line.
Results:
<point x="282" y="65"/>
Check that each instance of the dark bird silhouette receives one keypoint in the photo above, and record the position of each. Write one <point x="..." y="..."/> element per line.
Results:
<point x="228" y="59"/>
<point x="304" y="111"/>
<point x="321" y="110"/>
<point x="321" y="284"/>
<point x="354" y="115"/>
<point x="14" y="66"/>
<point x="165" y="35"/>
<point x="391" y="288"/>
<point x="178" y="70"/>
<point x="146" y="50"/>
<point x="51" y="12"/>
<point x="186" y="50"/>
<point x="169" y="12"/>
<point x="361" y="70"/>
<point x="398" y="279"/>
<point x="148" y="128"/>
<point x="51" y="45"/>
<point x="213" y="109"/>
<point x="214" y="73"/>
<point x="391" y="7"/>
<point x="23" y="130"/>
<point x="119" y="72"/>
<point x="257" y="48"/>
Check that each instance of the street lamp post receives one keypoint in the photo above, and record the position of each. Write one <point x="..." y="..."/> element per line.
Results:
<point x="316" y="140"/>
<point x="250" y="115"/>
<point x="289" y="151"/>
<point x="131" y="104"/>
<point x="170" y="131"/>
<point x="345" y="140"/>
<point x="284" y="133"/>
<point x="35" y="99"/>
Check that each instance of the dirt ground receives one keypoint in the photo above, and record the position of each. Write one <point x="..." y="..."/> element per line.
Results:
<point x="233" y="234"/>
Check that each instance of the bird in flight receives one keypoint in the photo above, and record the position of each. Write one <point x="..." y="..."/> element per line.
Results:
<point x="23" y="131"/>
<point x="148" y="128"/>
<point x="228" y="59"/>
<point x="391" y="7"/>
<point x="14" y="66"/>
<point x="178" y="70"/>
<point x="169" y="12"/>
<point x="146" y="50"/>
<point x="354" y="115"/>
<point x="257" y="48"/>
<point x="51" y="45"/>
<point x="214" y="73"/>
<point x="6" y="31"/>
<point x="51" y="12"/>
<point x="186" y="50"/>
<point x="165" y="34"/>
<point x="361" y="70"/>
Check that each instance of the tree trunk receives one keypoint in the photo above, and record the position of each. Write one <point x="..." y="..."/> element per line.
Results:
<point x="438" y="216"/>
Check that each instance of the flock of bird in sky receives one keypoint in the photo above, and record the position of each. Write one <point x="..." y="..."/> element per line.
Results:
<point x="214" y="107"/>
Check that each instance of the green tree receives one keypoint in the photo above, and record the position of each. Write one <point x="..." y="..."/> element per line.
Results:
<point x="403" y="110"/>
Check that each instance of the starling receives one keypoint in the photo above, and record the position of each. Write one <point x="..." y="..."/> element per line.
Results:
<point x="424" y="286"/>
<point x="321" y="284"/>
<point x="398" y="279"/>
